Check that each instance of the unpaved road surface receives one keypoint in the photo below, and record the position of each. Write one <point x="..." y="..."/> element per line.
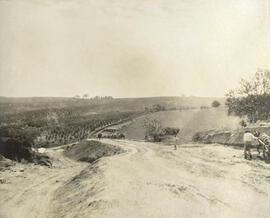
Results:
<point x="149" y="180"/>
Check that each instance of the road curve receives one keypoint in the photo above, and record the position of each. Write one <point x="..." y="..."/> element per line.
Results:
<point x="152" y="180"/>
<point x="148" y="180"/>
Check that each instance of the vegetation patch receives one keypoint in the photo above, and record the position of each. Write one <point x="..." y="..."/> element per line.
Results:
<point x="154" y="131"/>
<point x="20" y="150"/>
<point x="252" y="99"/>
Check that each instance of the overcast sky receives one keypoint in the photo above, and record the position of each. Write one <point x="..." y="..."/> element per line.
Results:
<point x="130" y="48"/>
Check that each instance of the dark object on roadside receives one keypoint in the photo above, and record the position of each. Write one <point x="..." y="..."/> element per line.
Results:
<point x="3" y="181"/>
<point x="264" y="143"/>
<point x="41" y="159"/>
<point x="115" y="135"/>
<point x="13" y="149"/>
<point x="5" y="163"/>
<point x="170" y="131"/>
<point x="243" y="123"/>
<point x="122" y="136"/>
<point x="99" y="136"/>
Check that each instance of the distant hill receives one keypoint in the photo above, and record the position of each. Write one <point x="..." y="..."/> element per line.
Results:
<point x="20" y="100"/>
<point x="14" y="105"/>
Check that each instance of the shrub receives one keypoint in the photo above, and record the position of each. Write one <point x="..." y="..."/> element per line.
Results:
<point x="215" y="104"/>
<point x="243" y="123"/>
<point x="153" y="129"/>
<point x="196" y="137"/>
<point x="170" y="131"/>
<point x="252" y="98"/>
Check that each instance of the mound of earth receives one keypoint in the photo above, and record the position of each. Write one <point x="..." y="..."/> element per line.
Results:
<point x="89" y="151"/>
<point x="234" y="137"/>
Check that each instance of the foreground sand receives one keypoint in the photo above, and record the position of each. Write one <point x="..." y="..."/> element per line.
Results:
<point x="149" y="180"/>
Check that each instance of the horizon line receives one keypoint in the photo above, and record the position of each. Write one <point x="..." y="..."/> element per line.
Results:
<point x="118" y="97"/>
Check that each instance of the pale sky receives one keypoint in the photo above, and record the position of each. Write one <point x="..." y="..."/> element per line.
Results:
<point x="130" y="48"/>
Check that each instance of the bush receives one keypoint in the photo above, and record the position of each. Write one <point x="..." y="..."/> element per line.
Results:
<point x="153" y="129"/>
<point x="155" y="132"/>
<point x="243" y="123"/>
<point x="215" y="104"/>
<point x="196" y="137"/>
<point x="170" y="131"/>
<point x="14" y="149"/>
<point x="252" y="98"/>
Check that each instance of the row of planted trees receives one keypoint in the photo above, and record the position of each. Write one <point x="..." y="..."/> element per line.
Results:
<point x="59" y="130"/>
<point x="81" y="129"/>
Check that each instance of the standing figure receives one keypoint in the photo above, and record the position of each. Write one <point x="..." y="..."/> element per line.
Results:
<point x="176" y="139"/>
<point x="248" y="138"/>
<point x="99" y="136"/>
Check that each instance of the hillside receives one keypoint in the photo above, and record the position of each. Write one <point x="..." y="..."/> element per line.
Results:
<point x="16" y="105"/>
<point x="189" y="122"/>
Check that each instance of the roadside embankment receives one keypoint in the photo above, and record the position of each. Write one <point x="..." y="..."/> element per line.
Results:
<point x="232" y="137"/>
<point x="89" y="151"/>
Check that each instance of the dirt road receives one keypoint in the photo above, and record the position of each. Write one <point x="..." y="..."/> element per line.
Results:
<point x="149" y="180"/>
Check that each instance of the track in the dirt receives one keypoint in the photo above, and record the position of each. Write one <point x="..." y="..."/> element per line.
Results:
<point x="149" y="180"/>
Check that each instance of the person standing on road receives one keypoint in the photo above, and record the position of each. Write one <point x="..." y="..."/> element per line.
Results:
<point x="248" y="139"/>
<point x="176" y="139"/>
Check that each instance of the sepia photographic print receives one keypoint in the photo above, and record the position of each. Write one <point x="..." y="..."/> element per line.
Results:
<point x="134" y="108"/>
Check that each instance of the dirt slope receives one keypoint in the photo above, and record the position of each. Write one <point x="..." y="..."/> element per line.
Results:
<point x="149" y="180"/>
<point x="29" y="188"/>
<point x="91" y="150"/>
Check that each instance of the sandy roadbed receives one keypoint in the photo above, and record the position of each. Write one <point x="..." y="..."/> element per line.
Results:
<point x="149" y="180"/>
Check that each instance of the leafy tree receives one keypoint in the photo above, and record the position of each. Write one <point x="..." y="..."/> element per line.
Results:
<point x="252" y="98"/>
<point x="153" y="129"/>
<point x="215" y="104"/>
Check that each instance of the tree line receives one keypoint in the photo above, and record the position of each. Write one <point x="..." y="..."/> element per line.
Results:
<point x="252" y="98"/>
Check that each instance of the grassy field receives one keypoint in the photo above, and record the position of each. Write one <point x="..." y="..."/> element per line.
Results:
<point x="189" y="121"/>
